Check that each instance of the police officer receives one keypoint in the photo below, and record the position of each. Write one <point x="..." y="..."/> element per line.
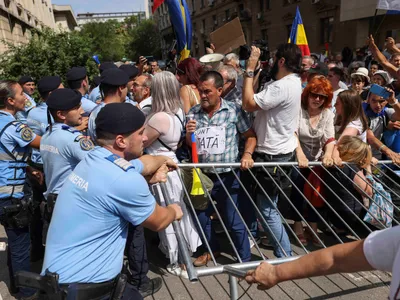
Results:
<point x="132" y="73"/>
<point x="113" y="86"/>
<point x="62" y="146"/>
<point x="95" y="95"/>
<point x="105" y="192"/>
<point x="28" y="85"/>
<point x="15" y="212"/>
<point x="77" y="80"/>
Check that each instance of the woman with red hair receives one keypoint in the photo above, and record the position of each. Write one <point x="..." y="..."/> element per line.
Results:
<point x="316" y="134"/>
<point x="188" y="73"/>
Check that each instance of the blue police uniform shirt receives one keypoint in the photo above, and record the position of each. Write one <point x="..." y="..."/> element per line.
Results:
<point x="29" y="104"/>
<point x="92" y="122"/>
<point x="87" y="106"/>
<point x="95" y="94"/>
<point x="14" y="140"/>
<point x="37" y="120"/>
<point x="61" y="149"/>
<point x="129" y="100"/>
<point x="87" y="235"/>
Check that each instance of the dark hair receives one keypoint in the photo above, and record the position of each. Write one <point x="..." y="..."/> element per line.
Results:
<point x="103" y="136"/>
<point x="215" y="76"/>
<point x="7" y="90"/>
<point x="192" y="68"/>
<point x="292" y="55"/>
<point x="394" y="55"/>
<point x="358" y="78"/>
<point x="338" y="72"/>
<point x="352" y="110"/>
<point x="316" y="84"/>
<point x="75" y="84"/>
<point x="44" y="95"/>
<point x="106" y="89"/>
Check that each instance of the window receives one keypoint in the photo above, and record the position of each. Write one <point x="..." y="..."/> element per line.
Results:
<point x="202" y="4"/>
<point x="227" y="15"/>
<point x="268" y="4"/>
<point x="264" y="35"/>
<point x="261" y="5"/>
<point x="215" y="20"/>
<point x="193" y="9"/>
<point x="7" y="3"/>
<point x="326" y="30"/>
<point x="203" y="26"/>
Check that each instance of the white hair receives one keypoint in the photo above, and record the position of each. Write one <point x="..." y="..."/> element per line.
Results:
<point x="233" y="58"/>
<point x="310" y="58"/>
<point x="165" y="93"/>
<point x="232" y="73"/>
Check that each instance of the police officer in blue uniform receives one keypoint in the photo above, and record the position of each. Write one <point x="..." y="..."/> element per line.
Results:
<point x="77" y="80"/>
<point x="28" y="85"/>
<point x="113" y="86"/>
<point x="105" y="192"/>
<point x="132" y="73"/>
<point x="62" y="146"/>
<point x="95" y="95"/>
<point x="15" y="208"/>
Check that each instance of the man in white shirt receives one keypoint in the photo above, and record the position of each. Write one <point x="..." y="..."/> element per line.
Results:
<point x="277" y="111"/>
<point x="141" y="89"/>
<point x="380" y="250"/>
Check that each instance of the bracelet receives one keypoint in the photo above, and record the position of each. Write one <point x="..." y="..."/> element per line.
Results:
<point x="395" y="102"/>
<point x="248" y="152"/>
<point x="381" y="147"/>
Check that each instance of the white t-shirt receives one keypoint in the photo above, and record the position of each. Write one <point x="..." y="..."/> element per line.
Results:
<point x="277" y="122"/>
<point x="382" y="251"/>
<point x="145" y="105"/>
<point x="362" y="135"/>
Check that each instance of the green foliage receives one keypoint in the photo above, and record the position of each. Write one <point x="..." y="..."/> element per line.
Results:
<point x="144" y="40"/>
<point x="107" y="39"/>
<point x="48" y="53"/>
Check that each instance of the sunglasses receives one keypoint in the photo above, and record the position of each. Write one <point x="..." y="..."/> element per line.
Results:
<point x="321" y="97"/>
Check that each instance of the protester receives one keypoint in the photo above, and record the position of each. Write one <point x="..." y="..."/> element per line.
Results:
<point x="278" y="103"/>
<point x="141" y="88"/>
<point x="379" y="251"/>
<point x="132" y="73"/>
<point x="188" y="73"/>
<point x="335" y="77"/>
<point x="228" y="121"/>
<point x="15" y="138"/>
<point x="164" y="128"/>
<point x="360" y="81"/>
<point x="316" y="134"/>
<point x="106" y="209"/>
<point x="381" y="78"/>
<point x="232" y="59"/>
<point x="374" y="66"/>
<point x="306" y="63"/>
<point x="230" y="91"/>
<point x="318" y="69"/>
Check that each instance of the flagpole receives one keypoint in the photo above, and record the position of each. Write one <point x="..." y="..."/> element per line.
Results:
<point x="380" y="24"/>
<point x="373" y="22"/>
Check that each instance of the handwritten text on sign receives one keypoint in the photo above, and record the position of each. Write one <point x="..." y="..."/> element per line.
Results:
<point x="211" y="140"/>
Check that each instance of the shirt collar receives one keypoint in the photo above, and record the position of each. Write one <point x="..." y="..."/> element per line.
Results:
<point x="6" y="113"/>
<point x="232" y="92"/>
<point x="199" y="109"/>
<point x="145" y="102"/>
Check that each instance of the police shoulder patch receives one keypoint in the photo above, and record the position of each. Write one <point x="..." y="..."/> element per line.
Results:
<point x="86" y="144"/>
<point x="120" y="162"/>
<point x="27" y="134"/>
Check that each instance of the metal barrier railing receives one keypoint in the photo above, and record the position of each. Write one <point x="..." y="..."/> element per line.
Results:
<point x="351" y="223"/>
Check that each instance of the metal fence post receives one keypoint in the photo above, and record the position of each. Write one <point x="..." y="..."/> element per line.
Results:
<point x="233" y="287"/>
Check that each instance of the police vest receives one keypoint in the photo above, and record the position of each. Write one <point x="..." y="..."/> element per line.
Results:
<point x="12" y="163"/>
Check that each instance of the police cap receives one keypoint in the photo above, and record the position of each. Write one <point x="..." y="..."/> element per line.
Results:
<point x="120" y="118"/>
<point x="25" y="79"/>
<point x="76" y="73"/>
<point x="130" y="70"/>
<point x="48" y="84"/>
<point x="107" y="65"/>
<point x="96" y="80"/>
<point x="115" y="77"/>
<point x="63" y="99"/>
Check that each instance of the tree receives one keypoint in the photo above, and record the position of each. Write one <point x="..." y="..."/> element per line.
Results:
<point x="48" y="53"/>
<point x="108" y="39"/>
<point x="145" y="40"/>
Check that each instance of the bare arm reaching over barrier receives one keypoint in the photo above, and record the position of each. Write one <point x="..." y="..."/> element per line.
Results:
<point x="381" y="58"/>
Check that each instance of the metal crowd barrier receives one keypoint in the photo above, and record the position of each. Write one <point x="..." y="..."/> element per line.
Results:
<point x="284" y="188"/>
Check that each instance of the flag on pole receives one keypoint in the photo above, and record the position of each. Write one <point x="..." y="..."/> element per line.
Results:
<point x="182" y="24"/>
<point x="390" y="5"/>
<point x="298" y="34"/>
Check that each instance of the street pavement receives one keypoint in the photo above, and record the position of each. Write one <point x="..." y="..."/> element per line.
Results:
<point x="363" y="285"/>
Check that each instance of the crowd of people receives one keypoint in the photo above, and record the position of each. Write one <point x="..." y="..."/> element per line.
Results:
<point x="101" y="152"/>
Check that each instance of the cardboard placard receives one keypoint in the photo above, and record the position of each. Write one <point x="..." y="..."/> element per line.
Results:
<point x="228" y="37"/>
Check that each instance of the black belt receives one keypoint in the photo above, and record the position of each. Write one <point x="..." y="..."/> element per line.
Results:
<point x="92" y="291"/>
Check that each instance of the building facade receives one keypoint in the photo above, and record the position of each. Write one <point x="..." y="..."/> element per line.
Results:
<point x="328" y="23"/>
<point x="104" y="17"/>
<point x="64" y="18"/>
<point x="19" y="17"/>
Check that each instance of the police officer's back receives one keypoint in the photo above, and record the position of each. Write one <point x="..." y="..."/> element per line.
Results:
<point x="103" y="193"/>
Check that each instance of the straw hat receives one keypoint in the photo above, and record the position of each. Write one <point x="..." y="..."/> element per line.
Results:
<point x="362" y="72"/>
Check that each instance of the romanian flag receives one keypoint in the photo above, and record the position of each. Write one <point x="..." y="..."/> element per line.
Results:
<point x="298" y="34"/>
<point x="181" y="22"/>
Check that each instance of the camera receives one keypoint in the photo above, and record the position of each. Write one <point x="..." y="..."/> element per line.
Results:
<point x="245" y="50"/>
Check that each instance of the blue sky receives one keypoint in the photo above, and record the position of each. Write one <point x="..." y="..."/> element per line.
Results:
<point x="82" y="6"/>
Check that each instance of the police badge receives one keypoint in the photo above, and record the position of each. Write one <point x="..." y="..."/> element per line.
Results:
<point x="86" y="144"/>
<point x="26" y="134"/>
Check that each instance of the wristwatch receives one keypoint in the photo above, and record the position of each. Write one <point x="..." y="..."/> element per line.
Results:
<point x="249" y="74"/>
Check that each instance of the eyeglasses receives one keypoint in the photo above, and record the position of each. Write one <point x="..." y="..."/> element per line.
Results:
<point x="137" y="85"/>
<point x="319" y="96"/>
